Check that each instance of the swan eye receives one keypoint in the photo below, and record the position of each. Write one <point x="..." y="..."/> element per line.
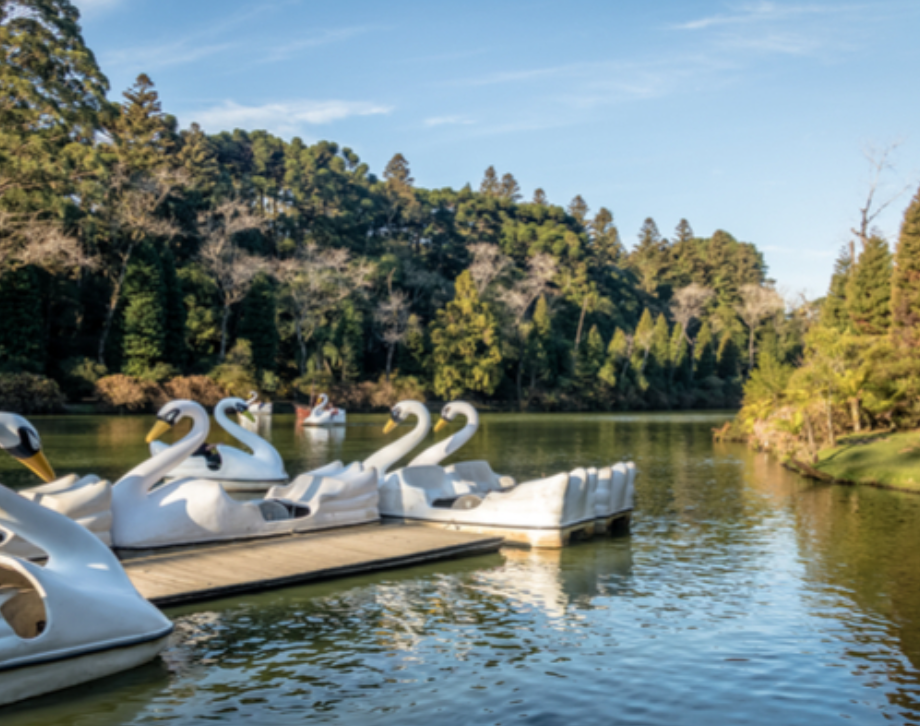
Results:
<point x="170" y="417"/>
<point x="29" y="442"/>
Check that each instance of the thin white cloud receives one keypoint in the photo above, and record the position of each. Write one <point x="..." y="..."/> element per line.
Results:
<point x="448" y="121"/>
<point x="172" y="54"/>
<point x="759" y="12"/>
<point x="285" y="117"/>
<point x="325" y="37"/>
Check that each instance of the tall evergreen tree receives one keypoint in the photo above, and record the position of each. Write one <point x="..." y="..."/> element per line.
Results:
<point x="649" y="257"/>
<point x="616" y="361"/>
<point x="539" y="198"/>
<point x="144" y="340"/>
<point x="606" y="238"/>
<point x="466" y="352"/>
<point x="705" y="353"/>
<point x="869" y="289"/>
<point x="834" y="308"/>
<point x="578" y="208"/>
<point x="588" y="361"/>
<point x="257" y="323"/>
<point x="490" y="185"/>
<point x="905" y="283"/>
<point x="509" y="189"/>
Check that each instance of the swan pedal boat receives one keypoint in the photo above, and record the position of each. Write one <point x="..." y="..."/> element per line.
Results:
<point x="324" y="415"/>
<point x="544" y="513"/>
<point x="257" y="407"/>
<point x="234" y="469"/>
<point x="75" y="619"/>
<point x="86" y="500"/>
<point x="197" y="511"/>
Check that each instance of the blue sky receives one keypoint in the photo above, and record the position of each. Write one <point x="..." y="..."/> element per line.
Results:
<point x="751" y="117"/>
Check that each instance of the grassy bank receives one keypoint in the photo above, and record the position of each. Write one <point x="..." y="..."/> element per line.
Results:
<point x="880" y="459"/>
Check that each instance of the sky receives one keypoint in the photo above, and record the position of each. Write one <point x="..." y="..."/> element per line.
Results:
<point x="752" y="117"/>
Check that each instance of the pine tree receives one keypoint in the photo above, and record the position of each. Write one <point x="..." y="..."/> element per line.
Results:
<point x="649" y="257"/>
<point x="657" y="368"/>
<point x="142" y="134"/>
<point x="681" y="374"/>
<point x="705" y="354"/>
<point x="642" y="346"/>
<point x="869" y="289"/>
<point x="490" y="185"/>
<point x="905" y="283"/>
<point x="539" y="342"/>
<point x="683" y="233"/>
<point x="834" y="308"/>
<point x="198" y="159"/>
<point x="578" y="208"/>
<point x="616" y="360"/>
<point x="257" y="323"/>
<point x="539" y="198"/>
<point x="144" y="338"/>
<point x="466" y="352"/>
<point x="729" y="357"/>
<point x="589" y="360"/>
<point x="608" y="248"/>
<point x="509" y="189"/>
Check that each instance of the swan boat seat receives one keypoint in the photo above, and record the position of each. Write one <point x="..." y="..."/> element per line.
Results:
<point x="545" y="512"/>
<point x="74" y="619"/>
<point x="86" y="500"/>
<point x="195" y="511"/>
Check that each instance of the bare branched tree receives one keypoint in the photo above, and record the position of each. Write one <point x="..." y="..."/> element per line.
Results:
<point x="234" y="270"/>
<point x="316" y="281"/>
<point x="879" y="163"/>
<point x="489" y="263"/>
<point x="394" y="316"/>
<point x="134" y="213"/>
<point x="518" y="299"/>
<point x="757" y="304"/>
<point x="30" y="239"/>
<point x="687" y="305"/>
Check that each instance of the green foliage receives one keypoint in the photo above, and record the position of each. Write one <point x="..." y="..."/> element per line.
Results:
<point x="80" y="376"/>
<point x="22" y="337"/>
<point x="144" y="341"/>
<point x="868" y="289"/>
<point x="29" y="393"/>
<point x="905" y="284"/>
<point x="237" y="373"/>
<point x="589" y="360"/>
<point x="465" y="349"/>
<point x="704" y="353"/>
<point x="257" y="323"/>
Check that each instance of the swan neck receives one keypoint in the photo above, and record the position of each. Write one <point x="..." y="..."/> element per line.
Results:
<point x="146" y="474"/>
<point x="441" y="450"/>
<point x="255" y="442"/>
<point x="389" y="455"/>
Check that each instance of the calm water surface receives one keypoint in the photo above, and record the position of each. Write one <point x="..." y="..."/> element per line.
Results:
<point x="743" y="594"/>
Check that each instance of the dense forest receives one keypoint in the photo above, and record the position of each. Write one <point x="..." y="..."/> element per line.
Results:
<point x="138" y="259"/>
<point x="859" y="370"/>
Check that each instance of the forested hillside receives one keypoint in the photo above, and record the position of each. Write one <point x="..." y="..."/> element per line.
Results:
<point x="135" y="253"/>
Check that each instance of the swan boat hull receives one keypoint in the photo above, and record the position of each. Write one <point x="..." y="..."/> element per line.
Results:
<point x="28" y="680"/>
<point x="544" y="513"/>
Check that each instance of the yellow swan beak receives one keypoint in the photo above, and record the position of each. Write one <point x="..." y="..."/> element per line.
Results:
<point x="441" y="425"/>
<point x="391" y="424"/>
<point x="248" y="414"/>
<point x="39" y="464"/>
<point x="159" y="428"/>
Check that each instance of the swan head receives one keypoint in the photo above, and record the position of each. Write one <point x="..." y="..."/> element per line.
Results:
<point x="21" y="440"/>
<point x="253" y="397"/>
<point x="238" y="406"/>
<point x="171" y="413"/>
<point x="400" y="413"/>
<point x="454" y="409"/>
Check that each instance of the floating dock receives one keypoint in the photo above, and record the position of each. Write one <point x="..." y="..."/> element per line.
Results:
<point x="213" y="571"/>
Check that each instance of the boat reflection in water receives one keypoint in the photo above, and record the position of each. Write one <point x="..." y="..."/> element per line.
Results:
<point x="557" y="580"/>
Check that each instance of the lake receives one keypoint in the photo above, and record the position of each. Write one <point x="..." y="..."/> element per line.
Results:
<point x="743" y="594"/>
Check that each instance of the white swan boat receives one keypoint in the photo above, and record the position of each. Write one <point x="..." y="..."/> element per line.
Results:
<point x="192" y="511"/>
<point x="322" y="414"/>
<point x="469" y="496"/>
<point x="73" y="620"/>
<point x="87" y="500"/>
<point x="257" y="407"/>
<point x="236" y="470"/>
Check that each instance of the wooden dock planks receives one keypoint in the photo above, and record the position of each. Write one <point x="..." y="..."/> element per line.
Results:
<point x="219" y="570"/>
